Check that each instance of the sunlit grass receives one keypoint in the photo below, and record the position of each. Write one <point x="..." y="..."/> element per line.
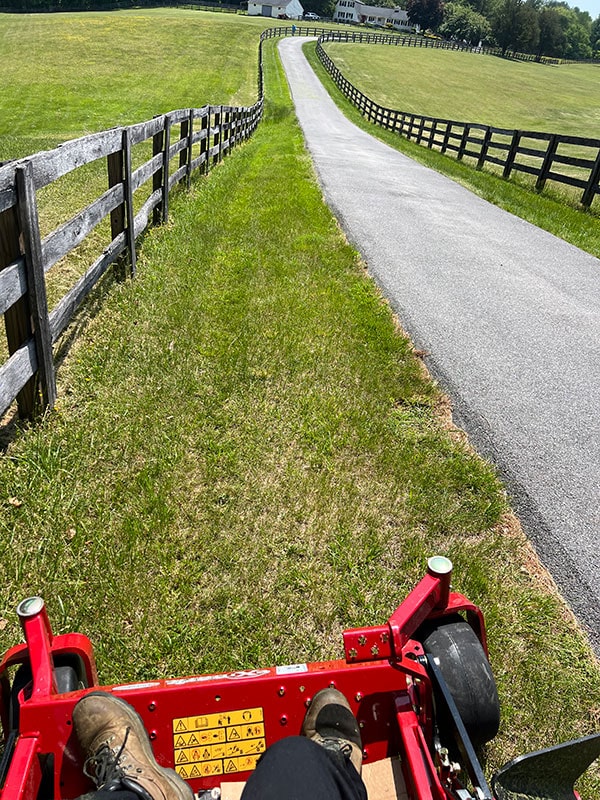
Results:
<point x="91" y="71"/>
<point x="476" y="88"/>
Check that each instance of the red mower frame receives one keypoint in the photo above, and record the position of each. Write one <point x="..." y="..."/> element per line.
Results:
<point x="213" y="728"/>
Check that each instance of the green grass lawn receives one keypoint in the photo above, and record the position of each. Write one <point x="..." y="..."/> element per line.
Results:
<point x="247" y="457"/>
<point x="88" y="72"/>
<point x="473" y="88"/>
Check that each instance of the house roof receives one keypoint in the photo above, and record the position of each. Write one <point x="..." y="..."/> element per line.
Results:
<point x="379" y="11"/>
<point x="283" y="3"/>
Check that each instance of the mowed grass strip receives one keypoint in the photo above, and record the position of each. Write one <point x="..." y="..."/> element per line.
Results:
<point x="553" y="210"/>
<point x="247" y="458"/>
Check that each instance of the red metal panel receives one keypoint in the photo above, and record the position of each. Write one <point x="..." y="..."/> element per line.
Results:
<point x="24" y="776"/>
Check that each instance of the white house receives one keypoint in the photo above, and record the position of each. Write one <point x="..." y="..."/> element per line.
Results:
<point x="357" y="12"/>
<point x="279" y="9"/>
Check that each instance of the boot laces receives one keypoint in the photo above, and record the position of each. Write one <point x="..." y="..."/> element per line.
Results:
<point x="104" y="766"/>
<point x="342" y="746"/>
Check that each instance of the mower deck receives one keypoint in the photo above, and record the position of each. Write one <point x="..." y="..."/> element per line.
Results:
<point x="420" y="687"/>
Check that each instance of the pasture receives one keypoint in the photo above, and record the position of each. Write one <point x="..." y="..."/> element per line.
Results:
<point x="474" y="88"/>
<point x="87" y="72"/>
<point x="247" y="456"/>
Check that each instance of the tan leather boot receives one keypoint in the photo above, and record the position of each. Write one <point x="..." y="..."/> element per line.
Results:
<point x="118" y="752"/>
<point x="330" y="722"/>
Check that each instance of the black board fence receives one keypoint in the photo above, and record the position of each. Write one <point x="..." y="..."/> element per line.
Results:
<point x="568" y="160"/>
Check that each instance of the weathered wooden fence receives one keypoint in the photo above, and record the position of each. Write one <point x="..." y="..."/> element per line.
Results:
<point x="569" y="160"/>
<point x="182" y="142"/>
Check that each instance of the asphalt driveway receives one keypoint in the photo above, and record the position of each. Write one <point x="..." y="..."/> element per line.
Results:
<point x="510" y="318"/>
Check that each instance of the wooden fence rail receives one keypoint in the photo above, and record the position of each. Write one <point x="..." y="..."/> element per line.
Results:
<point x="543" y="155"/>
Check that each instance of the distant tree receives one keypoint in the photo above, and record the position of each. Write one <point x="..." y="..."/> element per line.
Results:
<point x="578" y="42"/>
<point x="464" y="23"/>
<point x="527" y="34"/>
<point x="595" y="36"/>
<point x="552" y="39"/>
<point x="426" y="13"/>
<point x="515" y="26"/>
<point x="578" y="28"/>
<point x="505" y="22"/>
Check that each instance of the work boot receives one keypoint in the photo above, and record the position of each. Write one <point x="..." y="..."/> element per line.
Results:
<point x="117" y="750"/>
<point x="330" y="722"/>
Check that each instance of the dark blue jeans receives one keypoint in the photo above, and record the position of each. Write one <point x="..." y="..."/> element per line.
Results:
<point x="296" y="768"/>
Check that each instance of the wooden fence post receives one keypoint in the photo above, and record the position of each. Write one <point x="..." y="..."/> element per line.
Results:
<point x="128" y="190"/>
<point x="592" y="184"/>
<point x="36" y="283"/>
<point x="217" y="134"/>
<point x="234" y="133"/>
<point x="166" y="162"/>
<point x="204" y="143"/>
<point x="447" y="133"/>
<point x="463" y="143"/>
<point x="512" y="154"/>
<point x="185" y="155"/>
<point x="17" y="321"/>
<point x="158" y="145"/>
<point x="484" y="147"/>
<point x="115" y="177"/>
<point x="547" y="163"/>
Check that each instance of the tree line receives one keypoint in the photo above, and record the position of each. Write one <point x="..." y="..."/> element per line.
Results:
<point x="540" y="27"/>
<point x="551" y="28"/>
<point x="102" y="5"/>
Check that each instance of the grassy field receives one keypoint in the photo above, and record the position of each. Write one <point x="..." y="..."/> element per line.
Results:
<point x="247" y="457"/>
<point x="88" y="72"/>
<point x="472" y="88"/>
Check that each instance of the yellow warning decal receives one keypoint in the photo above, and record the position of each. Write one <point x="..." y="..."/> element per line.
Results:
<point x="217" y="744"/>
<point x="200" y="723"/>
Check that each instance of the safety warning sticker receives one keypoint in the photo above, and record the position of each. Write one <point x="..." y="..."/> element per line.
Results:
<point x="218" y="744"/>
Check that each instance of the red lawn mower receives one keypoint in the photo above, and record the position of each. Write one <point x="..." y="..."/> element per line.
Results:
<point x="420" y="686"/>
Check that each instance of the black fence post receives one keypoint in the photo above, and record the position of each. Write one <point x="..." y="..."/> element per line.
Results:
<point x="592" y="185"/>
<point x="166" y="167"/>
<point x="484" y="147"/>
<point x="547" y="163"/>
<point x="512" y="154"/>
